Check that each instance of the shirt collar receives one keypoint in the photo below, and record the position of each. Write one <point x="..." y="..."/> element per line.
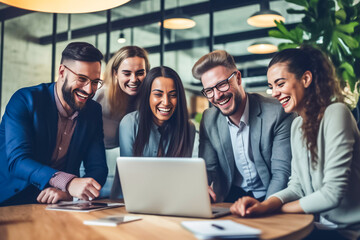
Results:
<point x="61" y="108"/>
<point x="245" y="116"/>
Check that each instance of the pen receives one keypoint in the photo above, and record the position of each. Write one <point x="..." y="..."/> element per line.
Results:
<point x="217" y="226"/>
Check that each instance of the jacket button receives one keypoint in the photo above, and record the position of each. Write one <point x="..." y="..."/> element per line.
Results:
<point x="16" y="190"/>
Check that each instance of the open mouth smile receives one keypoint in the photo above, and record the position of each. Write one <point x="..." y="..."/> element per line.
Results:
<point x="81" y="95"/>
<point x="133" y="86"/>
<point x="164" y="111"/>
<point x="284" y="100"/>
<point x="224" y="101"/>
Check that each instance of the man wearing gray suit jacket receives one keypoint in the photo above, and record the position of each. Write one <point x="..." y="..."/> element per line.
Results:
<point x="244" y="138"/>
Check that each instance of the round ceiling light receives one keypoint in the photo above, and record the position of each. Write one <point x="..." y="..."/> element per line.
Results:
<point x="179" y="23"/>
<point x="65" y="6"/>
<point x="265" y="18"/>
<point x="262" y="48"/>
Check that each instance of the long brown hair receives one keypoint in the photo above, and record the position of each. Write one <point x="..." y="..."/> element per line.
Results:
<point x="118" y="100"/>
<point x="177" y="126"/>
<point x="323" y="90"/>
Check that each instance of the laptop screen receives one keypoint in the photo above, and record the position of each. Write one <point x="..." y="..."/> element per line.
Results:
<point x="165" y="186"/>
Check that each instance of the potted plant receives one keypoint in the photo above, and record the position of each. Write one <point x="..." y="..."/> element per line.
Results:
<point x="332" y="26"/>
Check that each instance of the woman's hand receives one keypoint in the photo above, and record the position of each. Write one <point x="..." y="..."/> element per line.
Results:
<point x="249" y="207"/>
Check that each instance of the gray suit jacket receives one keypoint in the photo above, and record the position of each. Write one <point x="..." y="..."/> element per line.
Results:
<point x="269" y="139"/>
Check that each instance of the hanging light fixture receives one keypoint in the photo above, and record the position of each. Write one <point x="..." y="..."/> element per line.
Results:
<point x="178" y="20"/>
<point x="69" y="28"/>
<point x="65" y="6"/>
<point x="121" y="38"/>
<point x="265" y="17"/>
<point x="262" y="48"/>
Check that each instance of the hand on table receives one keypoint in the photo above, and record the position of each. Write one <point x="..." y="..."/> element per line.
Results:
<point x="84" y="188"/>
<point x="247" y="206"/>
<point x="53" y="195"/>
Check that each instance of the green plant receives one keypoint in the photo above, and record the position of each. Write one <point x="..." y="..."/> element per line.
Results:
<point x="332" y="26"/>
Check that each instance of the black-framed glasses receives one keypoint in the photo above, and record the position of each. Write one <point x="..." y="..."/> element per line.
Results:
<point x="83" y="80"/>
<point x="222" y="86"/>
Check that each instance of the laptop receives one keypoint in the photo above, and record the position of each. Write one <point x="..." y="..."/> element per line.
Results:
<point x="166" y="186"/>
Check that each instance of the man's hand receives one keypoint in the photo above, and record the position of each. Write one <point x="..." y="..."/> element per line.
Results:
<point x="212" y="194"/>
<point x="84" y="188"/>
<point x="53" y="195"/>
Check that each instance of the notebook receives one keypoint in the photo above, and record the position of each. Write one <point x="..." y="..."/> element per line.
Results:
<point x="221" y="229"/>
<point x="166" y="186"/>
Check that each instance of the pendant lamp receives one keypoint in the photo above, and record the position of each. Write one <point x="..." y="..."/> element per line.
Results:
<point x="265" y="17"/>
<point x="121" y="38"/>
<point x="262" y="48"/>
<point x="65" y="6"/>
<point x="178" y="20"/>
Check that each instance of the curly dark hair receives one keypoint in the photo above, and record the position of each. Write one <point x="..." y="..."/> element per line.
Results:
<point x="323" y="90"/>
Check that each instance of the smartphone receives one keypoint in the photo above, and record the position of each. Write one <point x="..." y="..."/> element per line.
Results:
<point x="112" y="220"/>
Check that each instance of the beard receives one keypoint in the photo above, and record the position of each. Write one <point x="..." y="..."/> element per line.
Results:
<point x="237" y="102"/>
<point x="69" y="96"/>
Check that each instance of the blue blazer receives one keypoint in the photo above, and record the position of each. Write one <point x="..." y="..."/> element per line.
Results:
<point x="269" y="139"/>
<point x="28" y="134"/>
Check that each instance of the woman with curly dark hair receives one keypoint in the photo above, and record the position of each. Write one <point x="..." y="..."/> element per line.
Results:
<point x="325" y="145"/>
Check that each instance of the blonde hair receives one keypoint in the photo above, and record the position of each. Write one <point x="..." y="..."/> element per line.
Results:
<point x="211" y="60"/>
<point x="118" y="99"/>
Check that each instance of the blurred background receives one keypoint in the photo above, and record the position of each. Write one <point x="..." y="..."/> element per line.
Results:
<point x="32" y="42"/>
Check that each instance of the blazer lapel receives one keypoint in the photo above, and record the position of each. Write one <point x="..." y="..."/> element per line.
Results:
<point x="255" y="135"/>
<point x="225" y="141"/>
<point x="51" y="122"/>
<point x="255" y="127"/>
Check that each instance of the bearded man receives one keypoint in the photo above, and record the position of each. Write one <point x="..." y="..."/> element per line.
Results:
<point x="48" y="130"/>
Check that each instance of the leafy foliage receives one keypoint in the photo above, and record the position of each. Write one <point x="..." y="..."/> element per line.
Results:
<point x="332" y="26"/>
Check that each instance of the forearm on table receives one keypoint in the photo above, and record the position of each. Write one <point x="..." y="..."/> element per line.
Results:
<point x="272" y="204"/>
<point x="292" y="207"/>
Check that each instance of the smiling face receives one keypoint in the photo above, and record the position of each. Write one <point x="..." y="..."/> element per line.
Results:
<point x="130" y="75"/>
<point x="286" y="88"/>
<point x="163" y="99"/>
<point x="232" y="102"/>
<point x="73" y="96"/>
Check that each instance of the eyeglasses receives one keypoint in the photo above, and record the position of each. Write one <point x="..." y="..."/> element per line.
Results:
<point x="222" y="86"/>
<point x="83" y="80"/>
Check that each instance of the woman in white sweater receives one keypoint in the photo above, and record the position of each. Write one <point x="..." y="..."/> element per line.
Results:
<point x="325" y="145"/>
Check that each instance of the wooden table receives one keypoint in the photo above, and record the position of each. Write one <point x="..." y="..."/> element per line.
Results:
<point x="34" y="222"/>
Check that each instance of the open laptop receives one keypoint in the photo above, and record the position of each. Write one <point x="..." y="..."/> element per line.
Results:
<point x="166" y="186"/>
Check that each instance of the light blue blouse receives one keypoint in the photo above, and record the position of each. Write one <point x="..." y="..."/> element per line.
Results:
<point x="127" y="133"/>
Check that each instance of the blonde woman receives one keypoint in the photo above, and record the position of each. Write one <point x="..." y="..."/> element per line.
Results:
<point x="123" y="77"/>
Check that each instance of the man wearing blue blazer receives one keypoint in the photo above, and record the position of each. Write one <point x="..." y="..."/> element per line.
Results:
<point x="49" y="129"/>
<point x="244" y="138"/>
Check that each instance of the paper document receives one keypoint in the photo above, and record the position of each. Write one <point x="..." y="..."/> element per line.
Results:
<point x="112" y="221"/>
<point x="224" y="229"/>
